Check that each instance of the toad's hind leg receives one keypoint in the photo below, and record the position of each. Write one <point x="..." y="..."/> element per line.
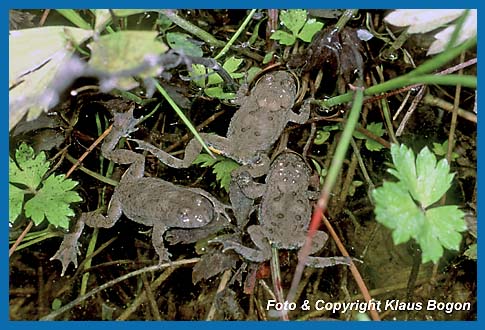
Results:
<point x="261" y="255"/>
<point x="158" y="244"/>
<point x="320" y="262"/>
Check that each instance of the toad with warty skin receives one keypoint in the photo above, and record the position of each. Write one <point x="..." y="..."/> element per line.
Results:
<point x="146" y="200"/>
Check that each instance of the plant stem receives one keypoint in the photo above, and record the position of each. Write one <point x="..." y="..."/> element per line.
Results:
<point x="73" y="17"/>
<point x="236" y="35"/>
<point x="191" y="28"/>
<point x="414" y="76"/>
<point x="184" y="118"/>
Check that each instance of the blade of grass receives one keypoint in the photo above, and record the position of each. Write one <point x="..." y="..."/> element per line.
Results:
<point x="73" y="17"/>
<point x="236" y="35"/>
<point x="408" y="79"/>
<point x="183" y="117"/>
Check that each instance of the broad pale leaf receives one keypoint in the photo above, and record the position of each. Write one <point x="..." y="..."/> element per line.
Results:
<point x="422" y="20"/>
<point x="35" y="56"/>
<point x="182" y="41"/>
<point x="468" y="30"/>
<point x="441" y="229"/>
<point x="283" y="37"/>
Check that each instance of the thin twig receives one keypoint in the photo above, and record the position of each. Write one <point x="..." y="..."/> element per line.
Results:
<point x="54" y="314"/>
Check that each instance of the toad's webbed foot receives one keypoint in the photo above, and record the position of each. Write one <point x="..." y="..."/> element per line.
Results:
<point x="69" y="248"/>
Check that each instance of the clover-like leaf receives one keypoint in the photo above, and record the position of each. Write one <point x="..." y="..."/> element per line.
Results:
<point x="376" y="129"/>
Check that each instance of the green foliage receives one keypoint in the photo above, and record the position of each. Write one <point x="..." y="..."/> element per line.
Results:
<point x="324" y="134"/>
<point x="322" y="171"/>
<point x="376" y="129"/>
<point x="404" y="206"/>
<point x="296" y="21"/>
<point x="213" y="84"/>
<point x="181" y="41"/>
<point x="442" y="150"/>
<point x="471" y="252"/>
<point x="51" y="196"/>
<point x="125" y="50"/>
<point x="221" y="167"/>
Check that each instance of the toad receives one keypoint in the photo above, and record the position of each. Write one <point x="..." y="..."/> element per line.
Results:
<point x="284" y="213"/>
<point x="146" y="200"/>
<point x="253" y="129"/>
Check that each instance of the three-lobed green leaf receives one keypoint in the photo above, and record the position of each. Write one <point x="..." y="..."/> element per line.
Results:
<point x="404" y="206"/>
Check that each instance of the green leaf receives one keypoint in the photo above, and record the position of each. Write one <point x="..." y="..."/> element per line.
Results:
<point x="283" y="37"/>
<point x="471" y="252"/>
<point x="293" y="19"/>
<point x="219" y="93"/>
<point x="181" y="41"/>
<point x="230" y="65"/>
<point x="15" y="202"/>
<point x="309" y="29"/>
<point x="441" y="229"/>
<point x="125" y="50"/>
<point x="222" y="170"/>
<point x="198" y="75"/>
<point x="433" y="180"/>
<point x="442" y="150"/>
<point x="268" y="57"/>
<point x="221" y="167"/>
<point x="53" y="201"/>
<point x="446" y="223"/>
<point x="205" y="160"/>
<point x="396" y="210"/>
<point x="405" y="167"/>
<point x="427" y="181"/>
<point x="376" y="129"/>
<point x="30" y="169"/>
<point x="321" y="137"/>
